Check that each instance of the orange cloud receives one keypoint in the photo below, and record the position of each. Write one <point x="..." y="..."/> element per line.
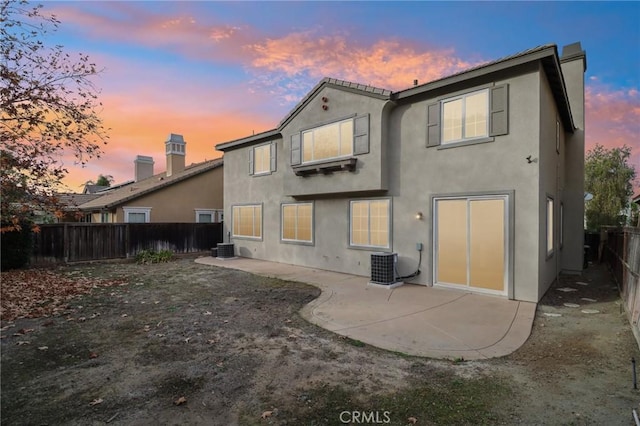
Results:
<point x="391" y="64"/>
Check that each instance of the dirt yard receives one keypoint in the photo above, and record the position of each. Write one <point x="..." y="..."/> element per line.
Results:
<point x="181" y="343"/>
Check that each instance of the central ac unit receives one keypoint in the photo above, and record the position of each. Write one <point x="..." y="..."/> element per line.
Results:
<point x="383" y="268"/>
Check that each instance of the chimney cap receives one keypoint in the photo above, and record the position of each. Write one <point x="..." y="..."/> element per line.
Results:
<point x="144" y="159"/>
<point x="573" y="52"/>
<point x="175" y="138"/>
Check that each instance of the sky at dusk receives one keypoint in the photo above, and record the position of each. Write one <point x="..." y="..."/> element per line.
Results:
<point x="218" y="71"/>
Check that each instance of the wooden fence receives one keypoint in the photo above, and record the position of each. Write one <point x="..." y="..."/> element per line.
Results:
<point x="75" y="242"/>
<point x="622" y="253"/>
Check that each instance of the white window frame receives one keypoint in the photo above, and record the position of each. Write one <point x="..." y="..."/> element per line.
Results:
<point x="550" y="243"/>
<point x="233" y="224"/>
<point x="211" y="212"/>
<point x="145" y="210"/>
<point x="340" y="142"/>
<point x="464" y="96"/>
<point x="296" y="240"/>
<point x="389" y="222"/>
<point x="266" y="148"/>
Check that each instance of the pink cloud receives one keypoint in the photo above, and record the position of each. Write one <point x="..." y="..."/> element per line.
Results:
<point x="613" y="120"/>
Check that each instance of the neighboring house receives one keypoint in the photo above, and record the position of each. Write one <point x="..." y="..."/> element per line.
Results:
<point x="92" y="189"/>
<point x="478" y="176"/>
<point x="71" y="202"/>
<point x="181" y="194"/>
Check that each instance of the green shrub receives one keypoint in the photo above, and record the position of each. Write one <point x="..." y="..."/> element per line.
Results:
<point x="152" y="256"/>
<point x="16" y="248"/>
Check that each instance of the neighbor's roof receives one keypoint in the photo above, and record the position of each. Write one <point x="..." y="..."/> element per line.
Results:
<point x="71" y="201"/>
<point x="92" y="189"/>
<point x="116" y="197"/>
<point x="547" y="54"/>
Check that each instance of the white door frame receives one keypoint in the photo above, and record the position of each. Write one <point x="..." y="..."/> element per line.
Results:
<point x="507" y="196"/>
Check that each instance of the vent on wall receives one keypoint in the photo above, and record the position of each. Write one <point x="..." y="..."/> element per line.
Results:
<point x="383" y="268"/>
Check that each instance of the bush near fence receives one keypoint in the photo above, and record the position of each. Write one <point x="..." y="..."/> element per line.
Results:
<point x="76" y="242"/>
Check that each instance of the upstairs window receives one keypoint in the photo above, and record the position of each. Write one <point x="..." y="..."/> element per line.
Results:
<point x="337" y="140"/>
<point x="472" y="117"/>
<point x="465" y="117"/>
<point x="330" y="141"/>
<point x="262" y="159"/>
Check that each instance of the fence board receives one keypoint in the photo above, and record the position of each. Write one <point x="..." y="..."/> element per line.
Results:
<point x="623" y="256"/>
<point x="73" y="242"/>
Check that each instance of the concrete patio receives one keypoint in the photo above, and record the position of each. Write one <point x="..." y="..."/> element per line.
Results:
<point x="412" y="319"/>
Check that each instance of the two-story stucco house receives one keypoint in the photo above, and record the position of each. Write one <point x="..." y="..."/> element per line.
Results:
<point x="475" y="180"/>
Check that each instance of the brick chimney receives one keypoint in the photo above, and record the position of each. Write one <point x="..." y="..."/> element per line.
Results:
<point x="143" y="167"/>
<point x="175" y="148"/>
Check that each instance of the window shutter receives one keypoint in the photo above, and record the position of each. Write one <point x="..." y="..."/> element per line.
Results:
<point x="251" y="161"/>
<point x="273" y="156"/>
<point x="361" y="135"/>
<point x="433" y="124"/>
<point x="499" y="113"/>
<point x="296" y="157"/>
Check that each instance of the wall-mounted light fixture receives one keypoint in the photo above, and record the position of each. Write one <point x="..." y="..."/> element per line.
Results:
<point x="419" y="216"/>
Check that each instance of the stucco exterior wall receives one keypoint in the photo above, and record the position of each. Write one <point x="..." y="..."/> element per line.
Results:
<point x="411" y="173"/>
<point x="178" y="202"/>
<point x="551" y="185"/>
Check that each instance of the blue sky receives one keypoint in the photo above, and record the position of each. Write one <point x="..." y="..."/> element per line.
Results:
<point x="216" y="71"/>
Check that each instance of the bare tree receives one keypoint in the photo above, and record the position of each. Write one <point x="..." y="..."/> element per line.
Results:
<point x="48" y="112"/>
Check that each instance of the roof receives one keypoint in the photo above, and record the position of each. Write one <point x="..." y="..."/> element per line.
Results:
<point x="71" y="201"/>
<point x="92" y="189"/>
<point x="547" y="54"/>
<point x="118" y="196"/>
<point x="362" y="89"/>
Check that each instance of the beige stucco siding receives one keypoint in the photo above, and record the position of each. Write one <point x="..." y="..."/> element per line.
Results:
<point x="178" y="202"/>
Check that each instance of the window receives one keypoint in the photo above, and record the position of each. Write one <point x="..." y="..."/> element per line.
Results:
<point x="465" y="117"/>
<point x="137" y="214"/>
<point x="205" y="216"/>
<point x="549" y="226"/>
<point x="340" y="140"/>
<point x="297" y="222"/>
<point x="247" y="221"/>
<point x="472" y="117"/>
<point x="262" y="159"/>
<point x="370" y="223"/>
<point x="104" y="217"/>
<point x="329" y="141"/>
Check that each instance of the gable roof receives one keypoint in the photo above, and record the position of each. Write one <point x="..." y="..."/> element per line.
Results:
<point x="92" y="189"/>
<point x="115" y="197"/>
<point x="547" y="54"/>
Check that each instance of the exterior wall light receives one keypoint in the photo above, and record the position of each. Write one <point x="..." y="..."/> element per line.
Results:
<point x="419" y="216"/>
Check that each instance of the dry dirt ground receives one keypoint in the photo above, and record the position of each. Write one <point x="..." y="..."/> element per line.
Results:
<point x="181" y="343"/>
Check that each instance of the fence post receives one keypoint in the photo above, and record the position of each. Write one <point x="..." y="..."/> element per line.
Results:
<point x="126" y="240"/>
<point x="65" y="242"/>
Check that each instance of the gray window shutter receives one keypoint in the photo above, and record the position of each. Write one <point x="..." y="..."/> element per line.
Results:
<point x="499" y="114"/>
<point x="251" y="161"/>
<point x="273" y="157"/>
<point x="433" y="124"/>
<point x="296" y="154"/>
<point x="361" y="135"/>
